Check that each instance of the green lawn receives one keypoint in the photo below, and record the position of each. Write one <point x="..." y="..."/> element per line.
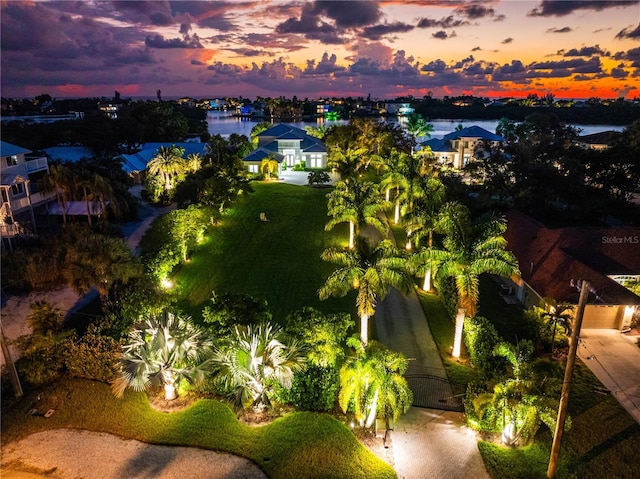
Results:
<point x="304" y="444"/>
<point x="278" y="260"/>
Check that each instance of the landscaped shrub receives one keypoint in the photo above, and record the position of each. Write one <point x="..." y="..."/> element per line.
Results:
<point x="481" y="338"/>
<point x="41" y="357"/>
<point x="92" y="355"/>
<point x="229" y="310"/>
<point x="314" y="389"/>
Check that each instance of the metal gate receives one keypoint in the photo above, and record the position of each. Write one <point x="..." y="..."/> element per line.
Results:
<point x="433" y="392"/>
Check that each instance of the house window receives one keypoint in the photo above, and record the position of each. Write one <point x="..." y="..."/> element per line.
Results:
<point x="12" y="160"/>
<point x="315" y="160"/>
<point x="17" y="189"/>
<point x="253" y="169"/>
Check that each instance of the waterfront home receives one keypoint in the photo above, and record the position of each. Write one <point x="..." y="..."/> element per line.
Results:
<point x="457" y="148"/>
<point x="289" y="146"/>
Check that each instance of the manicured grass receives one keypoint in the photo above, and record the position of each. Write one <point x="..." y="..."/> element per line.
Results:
<point x="309" y="445"/>
<point x="460" y="373"/>
<point x="278" y="260"/>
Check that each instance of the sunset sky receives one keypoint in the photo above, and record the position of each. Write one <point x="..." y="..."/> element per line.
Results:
<point x="572" y="49"/>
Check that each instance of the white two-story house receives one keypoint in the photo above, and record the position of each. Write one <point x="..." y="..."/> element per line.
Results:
<point x="288" y="145"/>
<point x="20" y="171"/>
<point x="457" y="148"/>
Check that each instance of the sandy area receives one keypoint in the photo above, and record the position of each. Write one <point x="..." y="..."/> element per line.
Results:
<point x="77" y="454"/>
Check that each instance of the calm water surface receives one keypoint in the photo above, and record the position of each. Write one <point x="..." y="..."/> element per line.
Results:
<point x="224" y="124"/>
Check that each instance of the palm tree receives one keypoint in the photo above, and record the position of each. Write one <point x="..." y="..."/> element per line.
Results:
<point x="269" y="165"/>
<point x="253" y="359"/>
<point x="358" y="204"/>
<point x="100" y="262"/>
<point x="417" y="126"/>
<point x="469" y="249"/>
<point x="557" y="315"/>
<point x="165" y="349"/>
<point x="193" y="163"/>
<point x="59" y="179"/>
<point x="348" y="163"/>
<point x="521" y="402"/>
<point x="168" y="163"/>
<point x="372" y="271"/>
<point x="45" y="317"/>
<point x="103" y="193"/>
<point x="373" y="381"/>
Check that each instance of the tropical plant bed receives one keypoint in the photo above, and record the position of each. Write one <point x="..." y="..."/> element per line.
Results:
<point x="301" y="444"/>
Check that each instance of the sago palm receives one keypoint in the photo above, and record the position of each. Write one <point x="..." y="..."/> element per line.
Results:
<point x="371" y="271"/>
<point x="163" y="350"/>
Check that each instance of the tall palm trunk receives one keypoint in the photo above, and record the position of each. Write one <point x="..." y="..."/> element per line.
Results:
<point x="364" y="328"/>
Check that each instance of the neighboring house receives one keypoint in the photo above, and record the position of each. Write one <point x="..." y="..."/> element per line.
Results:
<point x="457" y="148"/>
<point x="399" y="109"/>
<point x="598" y="141"/>
<point x="290" y="146"/>
<point x="136" y="163"/>
<point x="110" y="109"/>
<point x="554" y="261"/>
<point x="20" y="171"/>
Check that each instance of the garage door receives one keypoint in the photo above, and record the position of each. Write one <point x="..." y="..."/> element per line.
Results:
<point x="601" y="317"/>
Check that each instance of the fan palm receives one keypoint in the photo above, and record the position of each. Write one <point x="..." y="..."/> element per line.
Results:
<point x="359" y="204"/>
<point x="167" y="164"/>
<point x="373" y="381"/>
<point x="165" y="349"/>
<point x="469" y="249"/>
<point x="253" y="359"/>
<point x="372" y="271"/>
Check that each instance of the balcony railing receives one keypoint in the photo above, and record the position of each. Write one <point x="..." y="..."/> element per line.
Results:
<point x="38" y="164"/>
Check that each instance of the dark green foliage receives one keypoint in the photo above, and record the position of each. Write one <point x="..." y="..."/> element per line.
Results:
<point x="481" y="339"/>
<point x="228" y="310"/>
<point x="41" y="357"/>
<point x="45" y="318"/>
<point x="447" y="291"/>
<point x="92" y="355"/>
<point x="318" y="177"/>
<point x="322" y="334"/>
<point x="34" y="265"/>
<point x="314" y="389"/>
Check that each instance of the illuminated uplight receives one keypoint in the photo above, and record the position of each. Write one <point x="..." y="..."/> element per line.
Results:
<point x="507" y="434"/>
<point x="166" y="283"/>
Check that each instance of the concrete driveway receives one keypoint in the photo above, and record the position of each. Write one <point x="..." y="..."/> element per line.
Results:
<point x="615" y="361"/>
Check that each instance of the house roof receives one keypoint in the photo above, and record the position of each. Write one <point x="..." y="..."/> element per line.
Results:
<point x="473" y="132"/>
<point x="138" y="161"/>
<point x="282" y="129"/>
<point x="601" y="138"/>
<point x="263" y="153"/>
<point x="68" y="153"/>
<point x="271" y="136"/>
<point x="9" y="149"/>
<point x="439" y="145"/>
<point x="550" y="259"/>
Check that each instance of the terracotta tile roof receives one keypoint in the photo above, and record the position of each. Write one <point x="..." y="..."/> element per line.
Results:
<point x="550" y="258"/>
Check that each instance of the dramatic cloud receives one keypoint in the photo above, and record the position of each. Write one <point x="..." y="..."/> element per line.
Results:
<point x="187" y="41"/>
<point x="629" y="33"/>
<point x="561" y="8"/>
<point x="378" y="31"/>
<point x="315" y="48"/>
<point x="584" y="52"/>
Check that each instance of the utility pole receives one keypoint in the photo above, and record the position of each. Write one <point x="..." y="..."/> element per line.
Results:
<point x="11" y="367"/>
<point x="566" y="384"/>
